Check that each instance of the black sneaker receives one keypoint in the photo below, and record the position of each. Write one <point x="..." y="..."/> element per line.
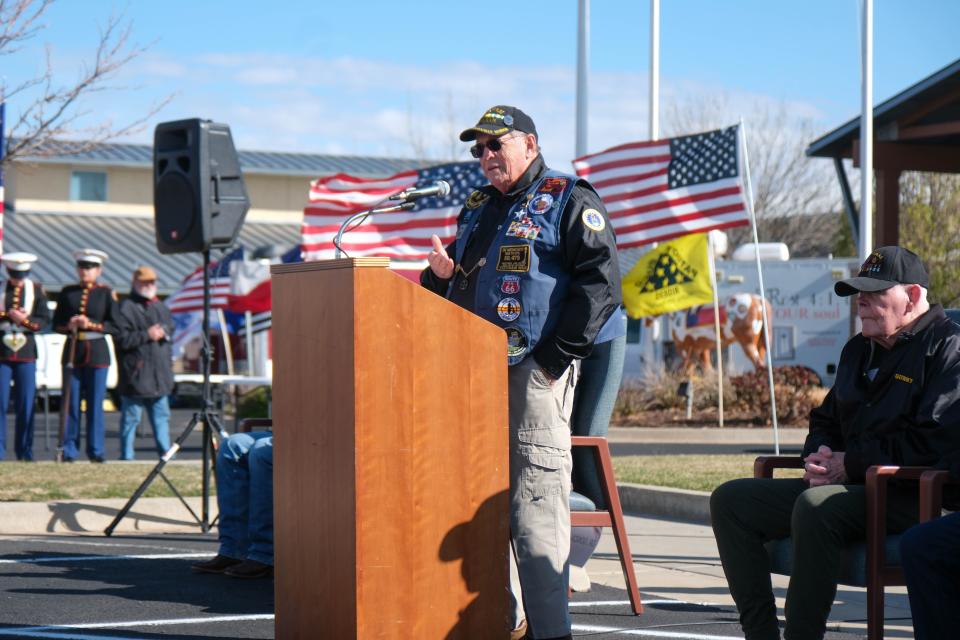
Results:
<point x="217" y="564"/>
<point x="97" y="459"/>
<point x="250" y="570"/>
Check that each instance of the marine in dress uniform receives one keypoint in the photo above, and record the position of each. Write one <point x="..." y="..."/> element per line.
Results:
<point x="85" y="312"/>
<point x="23" y="312"/>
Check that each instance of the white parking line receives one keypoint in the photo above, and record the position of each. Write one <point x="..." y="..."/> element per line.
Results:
<point x="649" y="633"/>
<point x="67" y="630"/>
<point x="145" y="556"/>
<point x="617" y="603"/>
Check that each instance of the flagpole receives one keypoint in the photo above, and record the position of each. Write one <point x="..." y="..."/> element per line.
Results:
<point x="716" y="325"/>
<point x="227" y="351"/>
<point x="583" y="62"/>
<point x="654" y="69"/>
<point x="865" y="241"/>
<point x="248" y="320"/>
<point x="763" y="295"/>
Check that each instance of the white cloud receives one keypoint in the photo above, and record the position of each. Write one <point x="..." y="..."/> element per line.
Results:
<point x="377" y="107"/>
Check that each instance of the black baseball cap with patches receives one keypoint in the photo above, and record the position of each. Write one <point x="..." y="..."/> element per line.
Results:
<point x="884" y="268"/>
<point x="498" y="121"/>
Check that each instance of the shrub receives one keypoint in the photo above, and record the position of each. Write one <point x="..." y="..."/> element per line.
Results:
<point x="658" y="390"/>
<point x="798" y="390"/>
<point x="253" y="404"/>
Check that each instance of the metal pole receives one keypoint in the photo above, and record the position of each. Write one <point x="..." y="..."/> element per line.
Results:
<point x="654" y="69"/>
<point x="583" y="63"/>
<point x="716" y="325"/>
<point x="865" y="245"/>
<point x="763" y="295"/>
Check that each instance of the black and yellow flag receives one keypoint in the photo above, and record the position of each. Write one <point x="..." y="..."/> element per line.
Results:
<point x="674" y="276"/>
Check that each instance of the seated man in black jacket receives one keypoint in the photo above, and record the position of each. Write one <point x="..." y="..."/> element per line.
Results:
<point x="896" y="400"/>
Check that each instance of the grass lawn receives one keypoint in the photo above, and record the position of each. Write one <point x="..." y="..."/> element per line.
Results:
<point x="694" y="472"/>
<point x="44" y="481"/>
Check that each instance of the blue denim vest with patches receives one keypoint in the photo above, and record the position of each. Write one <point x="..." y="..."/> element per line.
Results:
<point x="523" y="282"/>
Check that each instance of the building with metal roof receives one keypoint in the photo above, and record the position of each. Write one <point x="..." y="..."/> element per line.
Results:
<point x="916" y="130"/>
<point x="309" y="165"/>
<point x="71" y="195"/>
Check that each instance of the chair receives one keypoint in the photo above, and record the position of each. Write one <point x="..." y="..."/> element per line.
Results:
<point x="875" y="563"/>
<point x="584" y="513"/>
<point x="249" y="424"/>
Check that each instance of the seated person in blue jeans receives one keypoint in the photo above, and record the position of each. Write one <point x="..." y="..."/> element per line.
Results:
<point x="245" y="501"/>
<point x="930" y="556"/>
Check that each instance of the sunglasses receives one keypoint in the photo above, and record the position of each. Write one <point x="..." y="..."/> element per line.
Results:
<point x="87" y="265"/>
<point x="494" y="145"/>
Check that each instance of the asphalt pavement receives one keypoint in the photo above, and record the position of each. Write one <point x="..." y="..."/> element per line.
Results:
<point x="61" y="578"/>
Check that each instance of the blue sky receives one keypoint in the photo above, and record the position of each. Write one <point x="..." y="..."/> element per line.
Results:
<point x="389" y="78"/>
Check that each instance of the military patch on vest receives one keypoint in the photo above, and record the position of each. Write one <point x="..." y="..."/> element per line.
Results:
<point x="541" y="203"/>
<point x="510" y="285"/>
<point x="516" y="345"/>
<point x="476" y="199"/>
<point x="509" y="309"/>
<point x="553" y="186"/>
<point x="523" y="228"/>
<point x="593" y="220"/>
<point x="515" y="258"/>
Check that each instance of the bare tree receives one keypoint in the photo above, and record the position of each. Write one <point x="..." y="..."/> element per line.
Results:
<point x="52" y="110"/>
<point x="788" y="186"/>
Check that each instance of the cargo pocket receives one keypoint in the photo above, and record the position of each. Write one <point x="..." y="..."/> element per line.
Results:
<point x="544" y="450"/>
<point x="541" y="476"/>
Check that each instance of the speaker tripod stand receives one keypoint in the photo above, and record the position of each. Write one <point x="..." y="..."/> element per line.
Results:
<point x="206" y="417"/>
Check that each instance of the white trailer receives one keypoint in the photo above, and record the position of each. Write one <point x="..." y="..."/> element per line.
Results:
<point x="810" y="323"/>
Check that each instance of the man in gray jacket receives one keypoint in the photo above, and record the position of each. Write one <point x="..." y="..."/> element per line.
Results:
<point x="143" y="329"/>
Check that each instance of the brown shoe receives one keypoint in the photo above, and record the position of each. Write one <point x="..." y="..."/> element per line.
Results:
<point x="251" y="570"/>
<point x="520" y="632"/>
<point x="217" y="564"/>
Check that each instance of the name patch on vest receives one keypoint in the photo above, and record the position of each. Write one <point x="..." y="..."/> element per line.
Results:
<point x="515" y="258"/>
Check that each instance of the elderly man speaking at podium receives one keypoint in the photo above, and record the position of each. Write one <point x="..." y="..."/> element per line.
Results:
<point x="534" y="253"/>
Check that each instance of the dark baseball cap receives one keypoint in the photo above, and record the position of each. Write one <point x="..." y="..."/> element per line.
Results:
<point x="500" y="120"/>
<point x="884" y="268"/>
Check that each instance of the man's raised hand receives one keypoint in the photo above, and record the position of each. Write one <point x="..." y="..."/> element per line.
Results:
<point x="440" y="263"/>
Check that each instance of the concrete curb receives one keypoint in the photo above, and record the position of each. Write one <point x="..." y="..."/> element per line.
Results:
<point x="661" y="502"/>
<point x="168" y="515"/>
<point x="148" y="515"/>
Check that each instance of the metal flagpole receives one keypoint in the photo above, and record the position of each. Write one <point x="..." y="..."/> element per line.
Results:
<point x="654" y="69"/>
<point x="716" y="325"/>
<point x="583" y="62"/>
<point x="865" y="241"/>
<point x="763" y="296"/>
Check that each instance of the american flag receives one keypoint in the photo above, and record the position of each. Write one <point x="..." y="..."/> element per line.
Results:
<point x="189" y="297"/>
<point x="661" y="189"/>
<point x="400" y="236"/>
<point x="3" y="140"/>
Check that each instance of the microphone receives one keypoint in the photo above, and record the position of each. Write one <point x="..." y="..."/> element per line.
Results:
<point x="440" y="188"/>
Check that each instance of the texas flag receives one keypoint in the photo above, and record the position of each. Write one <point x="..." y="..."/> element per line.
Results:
<point x="249" y="286"/>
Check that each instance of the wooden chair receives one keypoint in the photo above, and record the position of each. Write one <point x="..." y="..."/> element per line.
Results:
<point x="249" y="424"/>
<point x="874" y="564"/>
<point x="586" y="514"/>
<point x="583" y="512"/>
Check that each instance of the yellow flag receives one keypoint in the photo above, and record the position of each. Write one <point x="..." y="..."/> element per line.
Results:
<point x="674" y="276"/>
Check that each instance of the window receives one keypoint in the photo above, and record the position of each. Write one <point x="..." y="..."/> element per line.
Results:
<point x="88" y="185"/>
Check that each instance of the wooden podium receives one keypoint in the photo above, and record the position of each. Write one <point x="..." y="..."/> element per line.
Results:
<point x="391" y="512"/>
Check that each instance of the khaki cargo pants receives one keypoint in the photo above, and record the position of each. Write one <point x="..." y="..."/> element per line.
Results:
<point x="540" y="467"/>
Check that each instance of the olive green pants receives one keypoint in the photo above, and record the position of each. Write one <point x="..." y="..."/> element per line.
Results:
<point x="822" y="521"/>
